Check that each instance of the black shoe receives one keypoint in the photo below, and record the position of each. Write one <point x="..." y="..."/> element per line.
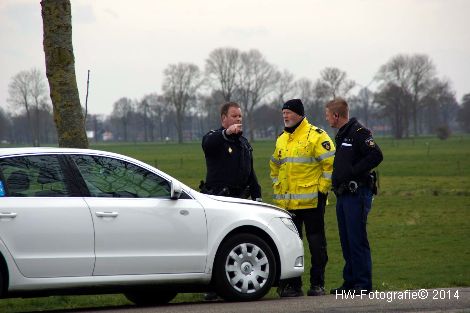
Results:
<point x="210" y="296"/>
<point x="340" y="290"/>
<point x="316" y="291"/>
<point x="359" y="291"/>
<point x="290" y="291"/>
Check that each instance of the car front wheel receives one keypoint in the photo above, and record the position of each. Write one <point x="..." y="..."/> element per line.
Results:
<point x="244" y="268"/>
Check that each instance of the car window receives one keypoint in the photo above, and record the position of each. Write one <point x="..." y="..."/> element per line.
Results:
<point x="108" y="177"/>
<point x="33" y="176"/>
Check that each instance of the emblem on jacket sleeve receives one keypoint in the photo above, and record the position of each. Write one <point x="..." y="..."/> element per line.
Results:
<point x="326" y="145"/>
<point x="370" y="142"/>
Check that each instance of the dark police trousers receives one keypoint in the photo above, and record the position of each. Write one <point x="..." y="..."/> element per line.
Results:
<point x="351" y="211"/>
<point x="314" y="220"/>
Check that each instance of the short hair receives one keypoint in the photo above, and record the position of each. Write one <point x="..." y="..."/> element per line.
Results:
<point x="226" y="106"/>
<point x="338" y="106"/>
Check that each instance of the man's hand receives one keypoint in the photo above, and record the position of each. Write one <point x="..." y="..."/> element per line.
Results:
<point x="233" y="129"/>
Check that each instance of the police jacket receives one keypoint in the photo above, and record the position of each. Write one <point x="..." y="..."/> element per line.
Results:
<point x="229" y="161"/>
<point x="301" y="166"/>
<point x="356" y="154"/>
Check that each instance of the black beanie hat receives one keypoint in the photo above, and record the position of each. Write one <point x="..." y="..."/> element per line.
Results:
<point x="294" y="105"/>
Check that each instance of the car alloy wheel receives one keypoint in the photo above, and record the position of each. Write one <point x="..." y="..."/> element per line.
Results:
<point x="245" y="268"/>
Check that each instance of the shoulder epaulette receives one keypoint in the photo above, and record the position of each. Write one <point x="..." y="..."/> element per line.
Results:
<point x="363" y="130"/>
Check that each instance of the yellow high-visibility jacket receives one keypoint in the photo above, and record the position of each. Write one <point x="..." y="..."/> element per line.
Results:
<point x="301" y="166"/>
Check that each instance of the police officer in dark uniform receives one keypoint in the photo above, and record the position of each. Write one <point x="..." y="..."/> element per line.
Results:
<point x="229" y="158"/>
<point x="354" y="185"/>
<point x="229" y="161"/>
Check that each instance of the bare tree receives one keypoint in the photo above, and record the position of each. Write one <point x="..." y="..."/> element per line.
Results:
<point x="413" y="74"/>
<point x="222" y="68"/>
<point x="286" y="86"/>
<point x="439" y="106"/>
<point x="122" y="111"/>
<point x="4" y="125"/>
<point x="60" y="71"/>
<point x="39" y="96"/>
<point x="255" y="81"/>
<point x="337" y="82"/>
<point x="159" y="111"/>
<point x="314" y="97"/>
<point x="181" y="83"/>
<point x="143" y="110"/>
<point x="464" y="113"/>
<point x="365" y="100"/>
<point x="394" y="77"/>
<point x="422" y="72"/>
<point x="392" y="101"/>
<point x="28" y="91"/>
<point x="304" y="89"/>
<point x="20" y="96"/>
<point x="211" y="105"/>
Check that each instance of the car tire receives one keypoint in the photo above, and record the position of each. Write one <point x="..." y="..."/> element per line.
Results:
<point x="244" y="268"/>
<point x="150" y="297"/>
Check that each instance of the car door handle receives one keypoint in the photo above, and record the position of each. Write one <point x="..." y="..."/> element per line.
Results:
<point x="184" y="212"/>
<point x="7" y="215"/>
<point x="107" y="214"/>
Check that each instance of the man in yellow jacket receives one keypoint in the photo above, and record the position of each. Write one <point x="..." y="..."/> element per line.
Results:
<point x="301" y="168"/>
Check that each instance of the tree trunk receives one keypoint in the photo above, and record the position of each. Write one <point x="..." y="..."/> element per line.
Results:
<point x="179" y="125"/>
<point x="60" y="71"/>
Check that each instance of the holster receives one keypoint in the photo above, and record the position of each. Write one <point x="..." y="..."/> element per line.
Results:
<point x="351" y="186"/>
<point x="203" y="188"/>
<point x="374" y="177"/>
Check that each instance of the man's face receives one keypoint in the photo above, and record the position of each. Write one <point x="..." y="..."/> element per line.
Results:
<point x="234" y="116"/>
<point x="290" y="117"/>
<point x="331" y="118"/>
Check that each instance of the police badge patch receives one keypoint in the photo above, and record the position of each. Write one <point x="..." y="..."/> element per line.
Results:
<point x="326" y="145"/>
<point x="370" y="142"/>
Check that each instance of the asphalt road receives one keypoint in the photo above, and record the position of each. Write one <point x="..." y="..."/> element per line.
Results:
<point x="424" y="300"/>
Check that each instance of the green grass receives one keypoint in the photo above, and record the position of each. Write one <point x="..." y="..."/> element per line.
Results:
<point x="419" y="225"/>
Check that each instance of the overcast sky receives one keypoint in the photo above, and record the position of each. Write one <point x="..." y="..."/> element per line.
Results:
<point x="128" y="44"/>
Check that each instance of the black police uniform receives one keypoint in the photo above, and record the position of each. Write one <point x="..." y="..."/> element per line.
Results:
<point x="356" y="155"/>
<point x="229" y="162"/>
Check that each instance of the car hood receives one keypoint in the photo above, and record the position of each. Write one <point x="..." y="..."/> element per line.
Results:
<point x="246" y="201"/>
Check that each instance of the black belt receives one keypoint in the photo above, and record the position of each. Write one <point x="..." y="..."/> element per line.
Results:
<point x="349" y="187"/>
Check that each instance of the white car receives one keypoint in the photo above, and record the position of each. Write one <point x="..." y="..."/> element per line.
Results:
<point x="80" y="221"/>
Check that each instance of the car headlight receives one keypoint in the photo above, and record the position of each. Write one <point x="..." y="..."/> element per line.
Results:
<point x="290" y="224"/>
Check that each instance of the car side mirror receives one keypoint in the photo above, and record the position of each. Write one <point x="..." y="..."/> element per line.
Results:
<point x="176" y="190"/>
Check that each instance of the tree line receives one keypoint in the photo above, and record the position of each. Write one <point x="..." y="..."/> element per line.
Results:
<point x="410" y="100"/>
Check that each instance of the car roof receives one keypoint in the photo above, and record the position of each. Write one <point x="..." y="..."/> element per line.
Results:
<point x="55" y="150"/>
<point x="11" y="152"/>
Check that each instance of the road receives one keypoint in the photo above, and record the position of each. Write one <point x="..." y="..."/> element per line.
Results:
<point x="424" y="300"/>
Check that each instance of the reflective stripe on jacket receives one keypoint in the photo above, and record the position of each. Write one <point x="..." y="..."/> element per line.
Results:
<point x="301" y="166"/>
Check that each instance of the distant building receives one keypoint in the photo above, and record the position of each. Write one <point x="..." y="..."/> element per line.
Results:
<point x="108" y="136"/>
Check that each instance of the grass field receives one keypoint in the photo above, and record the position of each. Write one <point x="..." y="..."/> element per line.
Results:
<point x="419" y="226"/>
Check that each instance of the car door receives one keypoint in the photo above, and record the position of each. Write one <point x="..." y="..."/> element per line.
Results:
<point x="138" y="228"/>
<point x="47" y="230"/>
